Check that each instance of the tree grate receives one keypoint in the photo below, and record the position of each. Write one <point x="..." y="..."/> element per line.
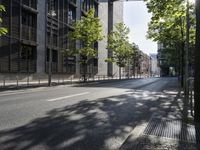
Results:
<point x="173" y="129"/>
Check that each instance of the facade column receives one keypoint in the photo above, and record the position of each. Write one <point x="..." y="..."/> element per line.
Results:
<point x="102" y="51"/>
<point x="41" y="36"/>
<point x="78" y="17"/>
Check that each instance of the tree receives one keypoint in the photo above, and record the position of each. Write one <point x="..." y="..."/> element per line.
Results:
<point x="136" y="57"/>
<point x="3" y="30"/>
<point x="168" y="27"/>
<point x="87" y="30"/>
<point x="119" y="45"/>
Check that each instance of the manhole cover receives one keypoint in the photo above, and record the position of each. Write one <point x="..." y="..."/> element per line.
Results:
<point x="173" y="129"/>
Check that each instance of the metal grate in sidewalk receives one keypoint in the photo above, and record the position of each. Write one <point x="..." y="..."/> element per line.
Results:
<point x="172" y="129"/>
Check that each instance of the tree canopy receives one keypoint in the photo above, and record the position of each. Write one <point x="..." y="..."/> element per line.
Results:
<point x="3" y="30"/>
<point x="87" y="30"/>
<point x="121" y="48"/>
<point x="168" y="26"/>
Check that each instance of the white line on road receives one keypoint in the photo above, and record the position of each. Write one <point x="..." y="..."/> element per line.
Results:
<point x="69" y="96"/>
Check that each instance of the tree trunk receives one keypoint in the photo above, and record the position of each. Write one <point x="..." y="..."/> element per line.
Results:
<point x="120" y="73"/>
<point x="182" y="64"/>
<point x="84" y="70"/>
<point x="197" y="66"/>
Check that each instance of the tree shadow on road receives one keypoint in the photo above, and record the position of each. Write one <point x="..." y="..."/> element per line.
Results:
<point x="98" y="124"/>
<point x="90" y="124"/>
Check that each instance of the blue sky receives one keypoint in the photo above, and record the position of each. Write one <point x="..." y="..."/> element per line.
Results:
<point x="136" y="18"/>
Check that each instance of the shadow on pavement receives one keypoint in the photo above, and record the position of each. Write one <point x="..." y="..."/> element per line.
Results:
<point x="90" y="124"/>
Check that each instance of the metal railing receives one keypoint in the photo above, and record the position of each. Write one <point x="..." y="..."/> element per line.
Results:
<point x="29" y="80"/>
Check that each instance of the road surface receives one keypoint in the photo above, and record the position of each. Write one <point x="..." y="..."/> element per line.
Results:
<point x="92" y="117"/>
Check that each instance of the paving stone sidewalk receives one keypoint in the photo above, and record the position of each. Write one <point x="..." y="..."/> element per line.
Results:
<point x="145" y="142"/>
<point x="164" y="131"/>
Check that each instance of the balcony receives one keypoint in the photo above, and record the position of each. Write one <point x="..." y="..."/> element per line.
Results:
<point x="28" y="33"/>
<point x="30" y="3"/>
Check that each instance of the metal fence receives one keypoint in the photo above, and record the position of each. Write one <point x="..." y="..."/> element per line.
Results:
<point x="29" y="80"/>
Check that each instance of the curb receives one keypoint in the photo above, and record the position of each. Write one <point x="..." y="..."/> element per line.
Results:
<point x="132" y="138"/>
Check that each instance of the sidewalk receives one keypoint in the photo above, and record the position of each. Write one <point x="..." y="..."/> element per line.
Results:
<point x="41" y="83"/>
<point x="165" y="130"/>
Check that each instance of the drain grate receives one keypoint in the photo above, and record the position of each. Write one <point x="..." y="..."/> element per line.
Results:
<point x="170" y="129"/>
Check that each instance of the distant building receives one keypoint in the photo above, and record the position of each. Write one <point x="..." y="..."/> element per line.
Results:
<point x="154" y="70"/>
<point x="145" y="64"/>
<point x="166" y="68"/>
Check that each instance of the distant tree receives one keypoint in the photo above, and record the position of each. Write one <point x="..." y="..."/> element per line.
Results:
<point x="119" y="45"/>
<point x="87" y="30"/>
<point x="3" y="30"/>
<point x="136" y="58"/>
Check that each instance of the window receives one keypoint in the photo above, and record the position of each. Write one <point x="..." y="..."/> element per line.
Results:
<point x="28" y="26"/>
<point x="28" y="19"/>
<point x="27" y="58"/>
<point x="53" y="6"/>
<point x="27" y="53"/>
<point x="71" y="14"/>
<point x="54" y="56"/>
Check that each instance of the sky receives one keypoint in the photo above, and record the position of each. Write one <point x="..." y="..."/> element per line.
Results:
<point x="136" y="18"/>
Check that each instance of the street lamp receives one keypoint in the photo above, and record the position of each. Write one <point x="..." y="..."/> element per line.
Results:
<point x="52" y="14"/>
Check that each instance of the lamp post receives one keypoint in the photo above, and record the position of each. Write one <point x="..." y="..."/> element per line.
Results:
<point x="52" y="14"/>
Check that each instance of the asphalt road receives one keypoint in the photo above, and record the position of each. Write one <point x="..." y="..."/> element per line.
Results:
<point x="92" y="117"/>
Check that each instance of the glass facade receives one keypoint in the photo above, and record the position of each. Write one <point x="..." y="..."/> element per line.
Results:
<point x="18" y="46"/>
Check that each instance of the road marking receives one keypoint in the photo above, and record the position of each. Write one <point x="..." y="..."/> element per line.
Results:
<point x="21" y="92"/>
<point x="40" y="89"/>
<point x="65" y="97"/>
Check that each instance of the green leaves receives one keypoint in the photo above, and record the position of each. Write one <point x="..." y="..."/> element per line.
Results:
<point x="168" y="24"/>
<point x="87" y="31"/>
<point x="119" y="44"/>
<point x="3" y="30"/>
<point x="2" y="8"/>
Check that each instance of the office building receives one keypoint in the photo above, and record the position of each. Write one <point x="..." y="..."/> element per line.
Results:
<point x="33" y="32"/>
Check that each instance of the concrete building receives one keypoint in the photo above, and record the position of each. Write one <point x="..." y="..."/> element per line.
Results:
<point x="155" y="70"/>
<point x="145" y="65"/>
<point x="26" y="48"/>
<point x="162" y="61"/>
